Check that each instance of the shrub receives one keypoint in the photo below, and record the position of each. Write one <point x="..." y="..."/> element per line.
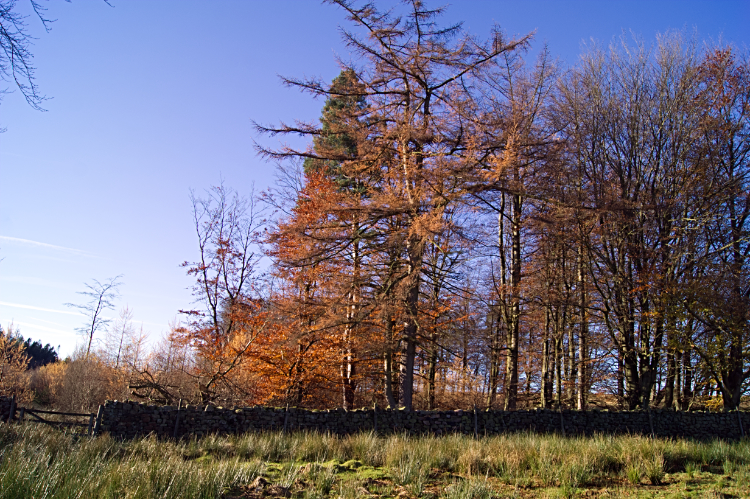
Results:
<point x="88" y="383"/>
<point x="14" y="380"/>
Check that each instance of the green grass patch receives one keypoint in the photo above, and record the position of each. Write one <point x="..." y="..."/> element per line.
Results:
<point x="41" y="462"/>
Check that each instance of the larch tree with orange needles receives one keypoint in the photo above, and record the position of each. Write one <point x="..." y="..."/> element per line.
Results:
<point x="306" y="249"/>
<point x="415" y="78"/>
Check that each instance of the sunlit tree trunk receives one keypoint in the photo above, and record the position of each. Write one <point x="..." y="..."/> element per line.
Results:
<point x="583" y="333"/>
<point x="514" y="319"/>
<point x="546" y="391"/>
<point x="409" y="341"/>
<point x="348" y="365"/>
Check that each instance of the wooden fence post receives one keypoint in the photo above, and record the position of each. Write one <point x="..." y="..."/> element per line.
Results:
<point x="98" y="424"/>
<point x="562" y="421"/>
<point x="739" y="420"/>
<point x="650" y="422"/>
<point x="286" y="416"/>
<point x="476" y="426"/>
<point x="90" y="429"/>
<point x="177" y="419"/>
<point x="12" y="411"/>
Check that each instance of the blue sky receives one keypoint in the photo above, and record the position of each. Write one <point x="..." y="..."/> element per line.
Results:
<point x="150" y="99"/>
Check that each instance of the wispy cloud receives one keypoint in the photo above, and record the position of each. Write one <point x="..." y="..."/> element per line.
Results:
<point x="42" y="328"/>
<point x="41" y="309"/>
<point x="29" y="242"/>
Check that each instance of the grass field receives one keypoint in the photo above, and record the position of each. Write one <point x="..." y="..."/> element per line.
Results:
<point x="39" y="462"/>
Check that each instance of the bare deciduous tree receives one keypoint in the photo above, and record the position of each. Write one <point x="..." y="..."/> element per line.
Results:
<point x="101" y="297"/>
<point x="231" y="316"/>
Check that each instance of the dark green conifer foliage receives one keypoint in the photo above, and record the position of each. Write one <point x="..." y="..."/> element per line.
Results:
<point x="339" y="119"/>
<point x="38" y="355"/>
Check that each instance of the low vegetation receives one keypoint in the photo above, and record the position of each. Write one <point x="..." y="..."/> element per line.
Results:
<point x="41" y="462"/>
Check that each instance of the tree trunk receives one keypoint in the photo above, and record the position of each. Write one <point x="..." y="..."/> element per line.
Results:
<point x="558" y="369"/>
<point x="348" y="371"/>
<point x="626" y="344"/>
<point x="620" y="376"/>
<point x="527" y="367"/>
<point x="348" y="367"/>
<point x="571" y="366"/>
<point x="494" y="368"/>
<point x="546" y="384"/>
<point x="409" y="347"/>
<point x="511" y="366"/>
<point x="630" y="375"/>
<point x="687" y="380"/>
<point x="389" y="387"/>
<point x="671" y="375"/>
<point x="582" y="335"/>
<point x="650" y="355"/>
<point x="431" y="371"/>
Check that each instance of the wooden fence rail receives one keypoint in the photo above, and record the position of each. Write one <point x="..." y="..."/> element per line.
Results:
<point x="35" y="417"/>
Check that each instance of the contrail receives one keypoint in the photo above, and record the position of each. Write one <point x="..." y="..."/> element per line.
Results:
<point x="43" y="245"/>
<point x="31" y="307"/>
<point x="43" y="328"/>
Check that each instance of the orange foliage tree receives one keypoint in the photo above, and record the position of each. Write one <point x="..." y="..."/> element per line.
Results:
<point x="232" y="315"/>
<point x="410" y="135"/>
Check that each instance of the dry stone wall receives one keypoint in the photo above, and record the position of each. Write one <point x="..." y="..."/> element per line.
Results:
<point x="129" y="419"/>
<point x="132" y="419"/>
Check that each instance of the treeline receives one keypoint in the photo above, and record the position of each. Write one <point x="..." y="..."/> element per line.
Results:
<point x="33" y="373"/>
<point x="470" y="228"/>
<point x="36" y="354"/>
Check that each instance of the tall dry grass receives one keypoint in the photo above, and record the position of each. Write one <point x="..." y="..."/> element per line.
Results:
<point x="44" y="463"/>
